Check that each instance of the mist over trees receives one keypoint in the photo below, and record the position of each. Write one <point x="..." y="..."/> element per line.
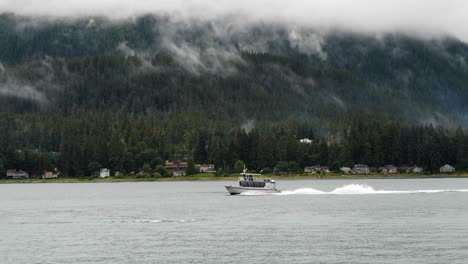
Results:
<point x="130" y="94"/>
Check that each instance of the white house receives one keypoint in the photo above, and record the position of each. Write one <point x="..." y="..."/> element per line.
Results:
<point x="417" y="169"/>
<point x="104" y="173"/>
<point x="345" y="170"/>
<point x="447" y="169"/>
<point x="305" y="141"/>
<point x="177" y="173"/>
<point x="207" y="168"/>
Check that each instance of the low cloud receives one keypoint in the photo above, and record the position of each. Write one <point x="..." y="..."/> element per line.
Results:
<point x="424" y="17"/>
<point x="22" y="91"/>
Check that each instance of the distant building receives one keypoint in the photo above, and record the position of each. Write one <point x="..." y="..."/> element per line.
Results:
<point x="207" y="168"/>
<point x="410" y="169"/>
<point x="177" y="173"/>
<point x="361" y="169"/>
<point x="178" y="167"/>
<point x="390" y="169"/>
<point x="306" y="141"/>
<point x="417" y="169"/>
<point x="175" y="165"/>
<point x="104" y="173"/>
<point x="316" y="169"/>
<point x="447" y="169"/>
<point x="311" y="169"/>
<point x="346" y="170"/>
<point x="17" y="175"/>
<point x="50" y="174"/>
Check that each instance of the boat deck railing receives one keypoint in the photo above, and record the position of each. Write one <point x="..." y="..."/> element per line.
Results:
<point x="260" y="179"/>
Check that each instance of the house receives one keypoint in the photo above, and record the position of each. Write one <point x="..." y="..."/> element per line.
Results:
<point x="405" y="169"/>
<point x="305" y="141"/>
<point x="391" y="169"/>
<point x="324" y="169"/>
<point x="311" y="169"/>
<point x="361" y="169"/>
<point x="410" y="169"/>
<point x="17" y="175"/>
<point x="207" y="168"/>
<point x="175" y="165"/>
<point x="447" y="169"/>
<point x="316" y="169"/>
<point x="178" y="167"/>
<point x="177" y="173"/>
<point x="104" y="173"/>
<point x="346" y="170"/>
<point x="50" y="174"/>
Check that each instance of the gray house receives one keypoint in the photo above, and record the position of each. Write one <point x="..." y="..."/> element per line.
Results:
<point x="361" y="169"/>
<point x="17" y="175"/>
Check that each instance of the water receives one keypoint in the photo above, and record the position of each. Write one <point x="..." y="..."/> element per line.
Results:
<point x="313" y="221"/>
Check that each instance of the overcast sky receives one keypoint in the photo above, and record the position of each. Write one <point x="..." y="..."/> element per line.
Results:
<point x="426" y="17"/>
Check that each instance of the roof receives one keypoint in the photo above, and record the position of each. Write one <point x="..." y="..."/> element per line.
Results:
<point x="361" y="165"/>
<point x="447" y="166"/>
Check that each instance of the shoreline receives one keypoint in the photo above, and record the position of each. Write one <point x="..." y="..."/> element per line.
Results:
<point x="204" y="177"/>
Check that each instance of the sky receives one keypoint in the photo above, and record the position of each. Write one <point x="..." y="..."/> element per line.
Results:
<point x="425" y="17"/>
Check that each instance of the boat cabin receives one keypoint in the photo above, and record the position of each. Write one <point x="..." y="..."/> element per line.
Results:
<point x="254" y="180"/>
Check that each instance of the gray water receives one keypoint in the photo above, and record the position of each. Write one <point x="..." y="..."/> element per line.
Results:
<point x="315" y="221"/>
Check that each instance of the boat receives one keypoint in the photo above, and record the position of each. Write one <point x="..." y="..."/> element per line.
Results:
<point x="249" y="182"/>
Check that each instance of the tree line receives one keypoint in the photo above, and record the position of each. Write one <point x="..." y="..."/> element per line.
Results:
<point x="79" y="144"/>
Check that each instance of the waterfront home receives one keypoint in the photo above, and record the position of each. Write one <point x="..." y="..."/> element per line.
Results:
<point x="17" y="175"/>
<point x="177" y="173"/>
<point x="316" y="169"/>
<point x="361" y="169"/>
<point x="207" y="168"/>
<point x="391" y="169"/>
<point x="346" y="170"/>
<point x="447" y="169"/>
<point x="410" y="169"/>
<point x="50" y="174"/>
<point x="104" y="173"/>
<point x="175" y="165"/>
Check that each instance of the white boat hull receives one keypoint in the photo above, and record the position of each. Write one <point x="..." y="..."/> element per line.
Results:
<point x="238" y="190"/>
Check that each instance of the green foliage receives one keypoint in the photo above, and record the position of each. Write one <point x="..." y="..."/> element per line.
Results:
<point x="2" y="170"/>
<point x="160" y="169"/>
<point x="147" y="168"/>
<point x="143" y="175"/>
<point x="93" y="167"/>
<point x="239" y="166"/>
<point x="191" y="169"/>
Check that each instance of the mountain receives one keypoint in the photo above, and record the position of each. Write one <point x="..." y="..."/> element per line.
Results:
<point x="82" y="93"/>
<point x="229" y="69"/>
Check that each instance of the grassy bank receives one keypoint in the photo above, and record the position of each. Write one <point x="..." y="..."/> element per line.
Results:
<point x="211" y="177"/>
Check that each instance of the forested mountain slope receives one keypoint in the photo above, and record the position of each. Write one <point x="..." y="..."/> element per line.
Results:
<point x="228" y="69"/>
<point x="82" y="93"/>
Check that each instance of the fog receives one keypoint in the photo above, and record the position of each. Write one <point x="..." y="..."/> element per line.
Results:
<point x="422" y="17"/>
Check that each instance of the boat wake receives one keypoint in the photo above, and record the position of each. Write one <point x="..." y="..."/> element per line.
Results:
<point x="351" y="189"/>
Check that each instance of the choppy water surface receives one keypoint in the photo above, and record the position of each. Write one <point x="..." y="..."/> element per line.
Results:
<point x="313" y="221"/>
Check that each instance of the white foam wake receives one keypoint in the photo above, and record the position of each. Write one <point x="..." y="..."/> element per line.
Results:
<point x="353" y="189"/>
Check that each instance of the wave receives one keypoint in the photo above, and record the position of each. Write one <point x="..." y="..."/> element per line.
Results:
<point x="155" y="221"/>
<point x="351" y="189"/>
